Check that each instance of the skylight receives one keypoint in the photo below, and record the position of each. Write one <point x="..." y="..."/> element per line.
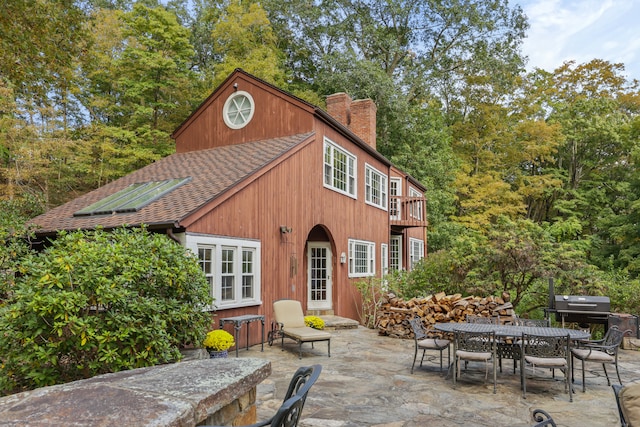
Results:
<point x="133" y="198"/>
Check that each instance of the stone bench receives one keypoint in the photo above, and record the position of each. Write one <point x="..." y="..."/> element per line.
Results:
<point x="215" y="391"/>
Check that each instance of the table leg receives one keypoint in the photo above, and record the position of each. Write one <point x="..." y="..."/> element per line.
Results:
<point x="262" y="341"/>
<point x="236" y="330"/>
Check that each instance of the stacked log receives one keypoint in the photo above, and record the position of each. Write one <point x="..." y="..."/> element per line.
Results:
<point x="394" y="314"/>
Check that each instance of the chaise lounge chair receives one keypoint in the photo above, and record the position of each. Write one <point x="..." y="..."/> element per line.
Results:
<point x="289" y="323"/>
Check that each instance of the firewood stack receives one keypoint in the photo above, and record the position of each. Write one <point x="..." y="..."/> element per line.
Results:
<point x="394" y="313"/>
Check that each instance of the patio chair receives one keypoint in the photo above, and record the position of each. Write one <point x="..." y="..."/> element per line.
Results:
<point x="425" y="341"/>
<point x="289" y="412"/>
<point x="289" y="323"/>
<point x="474" y="347"/>
<point x="490" y="320"/>
<point x="542" y="418"/>
<point x="628" y="401"/>
<point x="602" y="351"/>
<point x="545" y="351"/>
<point x="540" y="323"/>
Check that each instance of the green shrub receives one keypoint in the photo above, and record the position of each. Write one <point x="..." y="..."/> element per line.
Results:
<point x="98" y="302"/>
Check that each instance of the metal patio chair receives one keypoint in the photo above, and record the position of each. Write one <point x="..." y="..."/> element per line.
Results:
<point x="424" y="341"/>
<point x="474" y="347"/>
<point x="603" y="351"/>
<point x="288" y="415"/>
<point x="289" y="323"/>
<point x="545" y="351"/>
<point x="488" y="320"/>
<point x="542" y="418"/>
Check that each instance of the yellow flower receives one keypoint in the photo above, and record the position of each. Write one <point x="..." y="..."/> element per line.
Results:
<point x="218" y="340"/>
<point x="314" y="322"/>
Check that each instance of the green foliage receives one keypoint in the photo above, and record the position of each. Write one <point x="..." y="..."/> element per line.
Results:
<point x="97" y="302"/>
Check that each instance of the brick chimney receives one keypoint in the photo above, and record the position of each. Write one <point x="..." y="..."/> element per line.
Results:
<point x="358" y="116"/>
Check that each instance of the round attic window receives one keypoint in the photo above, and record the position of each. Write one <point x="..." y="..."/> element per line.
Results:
<point x="238" y="110"/>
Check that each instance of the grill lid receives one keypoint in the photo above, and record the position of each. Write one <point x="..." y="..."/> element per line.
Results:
<point x="582" y="303"/>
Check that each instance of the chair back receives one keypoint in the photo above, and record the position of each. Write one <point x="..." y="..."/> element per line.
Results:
<point x="540" y="323"/>
<point x="477" y="342"/>
<point x="546" y="346"/>
<point x="289" y="413"/>
<point x="613" y="338"/>
<point x="289" y="313"/>
<point x="483" y="319"/>
<point x="419" y="331"/>
<point x="302" y="380"/>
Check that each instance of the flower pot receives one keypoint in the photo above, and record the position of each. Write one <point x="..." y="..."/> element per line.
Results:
<point x="223" y="354"/>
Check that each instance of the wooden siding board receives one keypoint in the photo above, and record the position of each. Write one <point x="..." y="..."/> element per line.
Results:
<point x="274" y="116"/>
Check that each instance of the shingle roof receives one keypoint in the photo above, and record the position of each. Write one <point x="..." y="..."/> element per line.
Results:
<point x="212" y="172"/>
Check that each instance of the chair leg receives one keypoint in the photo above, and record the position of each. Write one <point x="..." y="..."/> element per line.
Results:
<point x="415" y="355"/>
<point x="604" y="368"/>
<point x="618" y="373"/>
<point x="584" y="386"/>
<point x="328" y="348"/>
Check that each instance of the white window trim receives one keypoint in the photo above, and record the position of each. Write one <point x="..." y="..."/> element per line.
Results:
<point x="194" y="241"/>
<point x="371" y="258"/>
<point x="369" y="171"/>
<point x="395" y="205"/>
<point x="352" y="188"/>
<point x="227" y="105"/>
<point x="415" y="210"/>
<point x="399" y="240"/>
<point x="384" y="259"/>
<point x="419" y="244"/>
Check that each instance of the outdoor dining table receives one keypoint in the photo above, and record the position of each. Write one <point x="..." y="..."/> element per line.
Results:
<point x="511" y="350"/>
<point x="512" y="331"/>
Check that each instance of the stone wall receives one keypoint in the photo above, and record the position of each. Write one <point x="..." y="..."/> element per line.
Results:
<point x="185" y="394"/>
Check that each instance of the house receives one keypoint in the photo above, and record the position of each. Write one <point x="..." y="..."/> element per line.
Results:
<point x="279" y="199"/>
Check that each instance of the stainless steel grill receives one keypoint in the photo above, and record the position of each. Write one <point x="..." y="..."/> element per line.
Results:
<point x="582" y="309"/>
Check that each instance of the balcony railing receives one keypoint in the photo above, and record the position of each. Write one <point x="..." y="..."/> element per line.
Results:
<point x="406" y="211"/>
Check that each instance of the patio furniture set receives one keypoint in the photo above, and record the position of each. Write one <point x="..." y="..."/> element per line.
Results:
<point x="533" y="344"/>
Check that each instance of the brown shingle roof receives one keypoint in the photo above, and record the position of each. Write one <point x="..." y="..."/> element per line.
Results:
<point x="212" y="171"/>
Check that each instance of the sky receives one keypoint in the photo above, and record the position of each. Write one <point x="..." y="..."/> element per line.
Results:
<point x="582" y="30"/>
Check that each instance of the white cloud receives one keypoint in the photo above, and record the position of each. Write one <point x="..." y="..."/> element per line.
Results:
<point x="581" y="30"/>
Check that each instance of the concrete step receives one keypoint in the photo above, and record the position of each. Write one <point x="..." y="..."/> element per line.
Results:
<point x="337" y="322"/>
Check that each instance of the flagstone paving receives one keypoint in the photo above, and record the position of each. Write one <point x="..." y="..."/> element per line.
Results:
<point x="367" y="381"/>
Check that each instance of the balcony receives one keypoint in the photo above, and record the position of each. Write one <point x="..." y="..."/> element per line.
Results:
<point x="408" y="211"/>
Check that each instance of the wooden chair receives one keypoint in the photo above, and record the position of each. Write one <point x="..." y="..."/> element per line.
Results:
<point x="602" y="351"/>
<point x="289" y="323"/>
<point x="545" y="351"/>
<point x="288" y="415"/>
<point x="474" y="347"/>
<point x="424" y="341"/>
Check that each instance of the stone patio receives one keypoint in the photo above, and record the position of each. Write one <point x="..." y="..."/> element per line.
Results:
<point x="367" y="382"/>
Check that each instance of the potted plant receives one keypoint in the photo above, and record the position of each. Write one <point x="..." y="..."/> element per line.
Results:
<point x="314" y="322"/>
<point x="218" y="342"/>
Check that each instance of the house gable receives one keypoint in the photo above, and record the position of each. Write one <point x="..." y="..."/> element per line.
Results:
<point x="275" y="114"/>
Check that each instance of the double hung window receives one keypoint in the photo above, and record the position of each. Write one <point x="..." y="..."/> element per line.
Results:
<point x="339" y="169"/>
<point x="361" y="258"/>
<point x="231" y="266"/>
<point x="376" y="191"/>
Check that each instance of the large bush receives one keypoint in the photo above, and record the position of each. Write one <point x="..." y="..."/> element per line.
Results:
<point x="97" y="302"/>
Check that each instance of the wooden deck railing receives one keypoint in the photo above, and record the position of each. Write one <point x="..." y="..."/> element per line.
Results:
<point x="406" y="211"/>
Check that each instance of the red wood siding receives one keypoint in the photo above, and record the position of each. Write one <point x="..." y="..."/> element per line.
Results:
<point x="292" y="194"/>
<point x="274" y="116"/>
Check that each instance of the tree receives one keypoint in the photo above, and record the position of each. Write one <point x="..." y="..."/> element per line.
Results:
<point x="71" y="315"/>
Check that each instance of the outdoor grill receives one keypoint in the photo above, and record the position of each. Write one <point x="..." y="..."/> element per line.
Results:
<point x="582" y="309"/>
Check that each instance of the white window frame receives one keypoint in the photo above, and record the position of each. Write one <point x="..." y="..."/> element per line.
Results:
<point x="416" y="251"/>
<point x="395" y="259"/>
<point x="367" y="266"/>
<point x="375" y="182"/>
<point x="395" y="195"/>
<point x="329" y="171"/>
<point x="246" y="116"/>
<point x="384" y="259"/>
<point x="216" y="245"/>
<point x="415" y="210"/>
